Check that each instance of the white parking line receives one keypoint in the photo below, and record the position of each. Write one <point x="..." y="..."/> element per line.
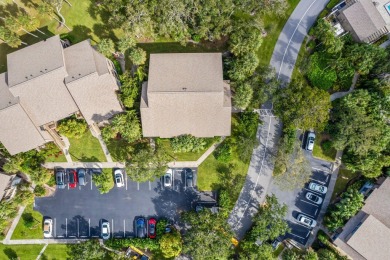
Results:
<point x="66" y="227"/>
<point x="95" y="236"/>
<point x="316" y="212"/>
<point x="91" y="181"/>
<point x="89" y="227"/>
<point x="79" y="187"/>
<point x="137" y="185"/>
<point x="124" y="228"/>
<point x="319" y="169"/>
<point x="126" y="180"/>
<point x="323" y="183"/>
<point x="308" y="233"/>
<point x="296" y="236"/>
<point x="78" y="228"/>
<point x="55" y="228"/>
<point x="112" y="229"/>
<point x="173" y="182"/>
<point x="60" y="236"/>
<point x="150" y="186"/>
<point x="83" y="236"/>
<point x="72" y="236"/>
<point x="310" y="203"/>
<point x="185" y="180"/>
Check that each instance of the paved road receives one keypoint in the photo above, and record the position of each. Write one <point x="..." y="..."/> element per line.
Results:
<point x="261" y="167"/>
<point x="290" y="39"/>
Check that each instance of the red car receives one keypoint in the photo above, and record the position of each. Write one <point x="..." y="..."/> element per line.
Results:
<point x="152" y="228"/>
<point x="72" y="179"/>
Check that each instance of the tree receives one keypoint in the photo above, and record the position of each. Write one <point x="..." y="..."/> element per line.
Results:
<point x="320" y="74"/>
<point x="245" y="38"/>
<point x="351" y="202"/>
<point x="292" y="170"/>
<point x="9" y="37"/>
<point x="130" y="88"/>
<point x="245" y="133"/>
<point x="72" y="127"/>
<point x="223" y="153"/>
<point x="208" y="236"/>
<point x="188" y="143"/>
<point x="243" y="66"/>
<point x="88" y="250"/>
<point x="307" y="107"/>
<point x="137" y="56"/>
<point x="126" y="42"/>
<point x="126" y="124"/>
<point x="104" y="180"/>
<point x="147" y="164"/>
<point x="326" y="34"/>
<point x="106" y="47"/>
<point x="277" y="7"/>
<point x="363" y="57"/>
<point x="171" y="244"/>
<point x="264" y="252"/>
<point x="243" y="95"/>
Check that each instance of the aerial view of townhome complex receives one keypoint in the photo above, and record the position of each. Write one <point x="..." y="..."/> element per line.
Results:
<point x="195" y="129"/>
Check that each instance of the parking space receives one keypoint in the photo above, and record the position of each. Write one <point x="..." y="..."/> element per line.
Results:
<point x="298" y="203"/>
<point x="79" y="212"/>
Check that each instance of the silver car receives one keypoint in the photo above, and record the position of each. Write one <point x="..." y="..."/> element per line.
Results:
<point x="318" y="188"/>
<point x="60" y="179"/>
<point x="306" y="220"/>
<point x="105" y="230"/>
<point x="81" y="176"/>
<point x="313" y="198"/>
<point x="310" y="141"/>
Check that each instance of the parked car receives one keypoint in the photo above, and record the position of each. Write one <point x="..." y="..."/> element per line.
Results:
<point x="310" y="141"/>
<point x="48" y="228"/>
<point x="168" y="178"/>
<point x="313" y="198"/>
<point x="306" y="220"/>
<point x="140" y="227"/>
<point x="60" y="179"/>
<point x="366" y="188"/>
<point x="81" y="176"/>
<point x="189" y="175"/>
<point x="119" y="178"/>
<point x="318" y="188"/>
<point x="72" y="178"/>
<point x="105" y="230"/>
<point x="152" y="222"/>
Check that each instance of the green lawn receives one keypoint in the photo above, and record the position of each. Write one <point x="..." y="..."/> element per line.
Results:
<point x="278" y="250"/>
<point x="55" y="252"/>
<point x="190" y="156"/>
<point x="22" y="252"/>
<point x="209" y="171"/>
<point x="322" y="151"/>
<point x="343" y="178"/>
<point x="86" y="149"/>
<point x="119" y="149"/>
<point x="57" y="156"/>
<point x="23" y="232"/>
<point x="273" y="24"/>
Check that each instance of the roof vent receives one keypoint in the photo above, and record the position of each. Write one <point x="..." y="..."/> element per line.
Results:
<point x="79" y="74"/>
<point x="185" y="89"/>
<point x="45" y="69"/>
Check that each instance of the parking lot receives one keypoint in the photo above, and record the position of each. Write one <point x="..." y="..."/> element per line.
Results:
<point x="298" y="203"/>
<point x="78" y="212"/>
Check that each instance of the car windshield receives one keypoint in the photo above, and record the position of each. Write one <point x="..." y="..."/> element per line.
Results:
<point x="313" y="197"/>
<point x="151" y="228"/>
<point x="118" y="178"/>
<point x="167" y="178"/>
<point x="59" y="180"/>
<point x="307" y="221"/>
<point x="320" y="188"/>
<point x="71" y="177"/>
<point x="81" y="173"/>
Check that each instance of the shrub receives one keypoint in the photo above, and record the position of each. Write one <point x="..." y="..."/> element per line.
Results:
<point x="28" y="220"/>
<point x="39" y="190"/>
<point x="327" y="145"/>
<point x="224" y="152"/>
<point x="188" y="143"/>
<point x="319" y="73"/>
<point x="72" y="127"/>
<point x="196" y="38"/>
<point x="137" y="56"/>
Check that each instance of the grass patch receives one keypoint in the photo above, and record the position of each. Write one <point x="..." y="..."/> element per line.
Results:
<point x="119" y="149"/>
<point x="323" y="149"/>
<point x="302" y="56"/>
<point x="24" y="232"/>
<point x="273" y="24"/>
<point x="53" y="252"/>
<point x="86" y="149"/>
<point x="343" y="177"/>
<point x="23" y="252"/>
<point x="278" y="250"/>
<point x="190" y="156"/>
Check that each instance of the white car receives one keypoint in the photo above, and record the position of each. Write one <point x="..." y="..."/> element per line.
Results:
<point x="313" y="198"/>
<point x="119" y="178"/>
<point x="168" y="178"/>
<point x="310" y="141"/>
<point x="306" y="221"/>
<point x="48" y="228"/>
<point x="318" y="188"/>
<point x="105" y="230"/>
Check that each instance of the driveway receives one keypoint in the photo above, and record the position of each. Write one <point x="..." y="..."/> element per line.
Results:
<point x="77" y="213"/>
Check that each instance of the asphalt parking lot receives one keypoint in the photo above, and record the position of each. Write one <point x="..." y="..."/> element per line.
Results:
<point x="78" y="213"/>
<point x="297" y="202"/>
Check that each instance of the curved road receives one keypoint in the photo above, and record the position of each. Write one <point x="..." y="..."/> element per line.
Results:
<point x="261" y="167"/>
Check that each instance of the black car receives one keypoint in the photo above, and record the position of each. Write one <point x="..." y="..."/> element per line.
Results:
<point x="189" y="175"/>
<point x="140" y="227"/>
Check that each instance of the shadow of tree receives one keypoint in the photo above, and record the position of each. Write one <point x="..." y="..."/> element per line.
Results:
<point x="10" y="253"/>
<point x="78" y="33"/>
<point x="104" y="31"/>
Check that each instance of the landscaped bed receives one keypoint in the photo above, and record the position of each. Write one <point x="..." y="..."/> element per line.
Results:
<point x="323" y="148"/>
<point x="86" y="149"/>
<point x="343" y="178"/>
<point x="29" y="226"/>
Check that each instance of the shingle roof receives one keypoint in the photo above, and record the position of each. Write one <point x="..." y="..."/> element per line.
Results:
<point x="34" y="60"/>
<point x="17" y="131"/>
<point x="363" y="18"/>
<point x="197" y="72"/>
<point x="372" y="239"/>
<point x="378" y="203"/>
<point x="203" y="109"/>
<point x="6" y="98"/>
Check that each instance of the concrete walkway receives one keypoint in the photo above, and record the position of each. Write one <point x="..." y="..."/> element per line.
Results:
<point x="104" y="148"/>
<point x="40" y="253"/>
<point x="194" y="164"/>
<point x="338" y="95"/>
<point x="43" y="241"/>
<point x="13" y="225"/>
<point x="52" y="165"/>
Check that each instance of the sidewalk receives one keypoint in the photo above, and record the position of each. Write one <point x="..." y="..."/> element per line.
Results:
<point x="13" y="225"/>
<point x="52" y="165"/>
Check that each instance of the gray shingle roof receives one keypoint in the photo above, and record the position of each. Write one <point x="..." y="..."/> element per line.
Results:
<point x="378" y="203"/>
<point x="203" y="109"/>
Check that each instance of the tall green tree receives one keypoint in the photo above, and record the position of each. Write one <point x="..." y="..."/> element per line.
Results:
<point x="326" y="34"/>
<point x="171" y="244"/>
<point x="243" y="67"/>
<point x="306" y="108"/>
<point x="106" y="47"/>
<point x="137" y="56"/>
<point x="127" y="125"/>
<point x="245" y="38"/>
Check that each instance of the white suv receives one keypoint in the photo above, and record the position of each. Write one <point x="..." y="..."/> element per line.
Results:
<point x="119" y="178"/>
<point x="310" y="141"/>
<point x="48" y="228"/>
